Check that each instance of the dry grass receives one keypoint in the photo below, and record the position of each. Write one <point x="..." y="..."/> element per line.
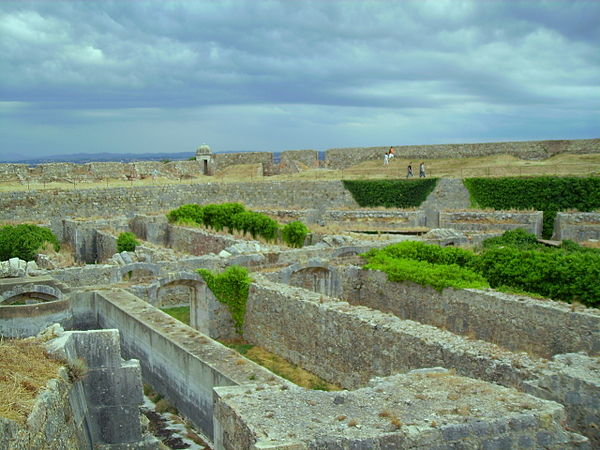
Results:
<point x="287" y="370"/>
<point x="591" y="244"/>
<point x="65" y="257"/>
<point x="25" y="369"/>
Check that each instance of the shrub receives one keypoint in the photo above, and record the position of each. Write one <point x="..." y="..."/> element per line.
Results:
<point x="438" y="276"/>
<point x="230" y="288"/>
<point x="548" y="194"/>
<point x="187" y="213"/>
<point x="126" y="242"/>
<point x="559" y="274"/>
<point x="24" y="241"/>
<point x="516" y="238"/>
<point x="390" y="193"/>
<point x="294" y="234"/>
<point x="427" y="252"/>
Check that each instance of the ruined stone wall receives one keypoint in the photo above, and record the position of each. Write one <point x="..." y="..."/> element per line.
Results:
<point x="336" y="340"/>
<point x="349" y="345"/>
<point x="169" y="351"/>
<point x="577" y="226"/>
<point x="339" y="158"/>
<point x="54" y="206"/>
<point x="107" y="170"/>
<point x="13" y="172"/>
<point x="488" y="221"/>
<point x="223" y="160"/>
<point x="195" y="241"/>
<point x="541" y="327"/>
<point x="307" y="158"/>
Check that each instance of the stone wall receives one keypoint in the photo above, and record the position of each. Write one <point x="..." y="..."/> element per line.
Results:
<point x="179" y="362"/>
<point x="577" y="226"/>
<point x="13" y="172"/>
<point x="195" y="241"/>
<point x="349" y="345"/>
<point x="54" y="206"/>
<point x="540" y="327"/>
<point x="423" y="409"/>
<point x="99" y="410"/>
<point x="339" y="158"/>
<point x="308" y="159"/>
<point x="223" y="160"/>
<point x="487" y="221"/>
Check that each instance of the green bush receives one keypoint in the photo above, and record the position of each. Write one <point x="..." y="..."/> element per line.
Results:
<point x="427" y="252"/>
<point x="230" y="288"/>
<point x="187" y="213"/>
<point x="548" y="194"/>
<point x="558" y="274"/>
<point x="232" y="216"/>
<point x="294" y="234"/>
<point x="514" y="260"/>
<point x="438" y="276"/>
<point x="24" y="241"/>
<point x="390" y="193"/>
<point x="516" y="238"/>
<point x="126" y="242"/>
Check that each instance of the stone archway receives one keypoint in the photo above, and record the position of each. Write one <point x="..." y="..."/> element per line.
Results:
<point x="31" y="293"/>
<point x="137" y="270"/>
<point x="316" y="276"/>
<point x="184" y="287"/>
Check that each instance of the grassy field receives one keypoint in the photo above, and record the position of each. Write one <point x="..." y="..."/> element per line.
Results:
<point x="489" y="166"/>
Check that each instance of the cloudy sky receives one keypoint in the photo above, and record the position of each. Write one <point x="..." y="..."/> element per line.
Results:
<point x="266" y="75"/>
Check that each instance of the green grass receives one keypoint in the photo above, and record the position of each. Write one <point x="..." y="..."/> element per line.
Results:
<point x="181" y="313"/>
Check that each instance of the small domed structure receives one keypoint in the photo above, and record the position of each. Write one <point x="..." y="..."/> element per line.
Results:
<point x="203" y="150"/>
<point x="204" y="157"/>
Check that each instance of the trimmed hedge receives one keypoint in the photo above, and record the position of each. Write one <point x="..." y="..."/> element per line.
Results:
<point x="548" y="194"/>
<point x="24" y="241"/>
<point x="390" y="193"/>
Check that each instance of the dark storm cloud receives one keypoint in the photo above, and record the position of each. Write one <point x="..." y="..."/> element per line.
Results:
<point x="444" y="57"/>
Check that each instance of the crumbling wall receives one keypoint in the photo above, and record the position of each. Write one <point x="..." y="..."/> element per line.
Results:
<point x="423" y="409"/>
<point x="577" y="226"/>
<point x="486" y="221"/>
<point x="94" y="406"/>
<point x="519" y="323"/>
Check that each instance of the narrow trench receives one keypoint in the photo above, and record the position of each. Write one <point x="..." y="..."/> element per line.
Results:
<point x="173" y="431"/>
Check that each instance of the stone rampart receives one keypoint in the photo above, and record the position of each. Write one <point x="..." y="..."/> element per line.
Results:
<point x="577" y="226"/>
<point x="339" y="158"/>
<point x="540" y="327"/>
<point x="487" y="221"/>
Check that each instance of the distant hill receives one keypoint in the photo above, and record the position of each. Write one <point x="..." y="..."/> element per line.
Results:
<point x="103" y="157"/>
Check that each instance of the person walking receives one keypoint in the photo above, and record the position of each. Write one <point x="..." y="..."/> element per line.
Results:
<point x="391" y="153"/>
<point x="409" y="171"/>
<point x="386" y="159"/>
<point x="422" y="170"/>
